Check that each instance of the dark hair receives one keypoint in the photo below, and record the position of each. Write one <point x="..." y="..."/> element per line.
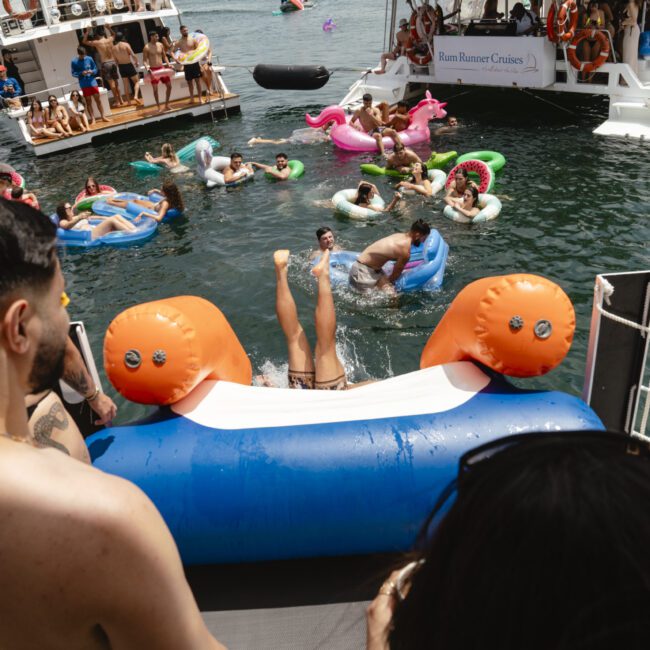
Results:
<point x="403" y="104"/>
<point x="235" y="154"/>
<point x="91" y="178"/>
<point x="173" y="195"/>
<point x="16" y="192"/>
<point x="100" y="31"/>
<point x="81" y="50"/>
<point x="421" y="227"/>
<point x="152" y="33"/>
<point x="425" y="171"/>
<point x="542" y="548"/>
<point x="367" y="97"/>
<point x="281" y="155"/>
<point x="4" y="51"/>
<point x="183" y="27"/>
<point x="118" y="37"/>
<point x="27" y="248"/>
<point x="474" y="192"/>
<point x="362" y="193"/>
<point x="164" y="31"/>
<point x="31" y="106"/>
<point x="461" y="171"/>
<point x="61" y="212"/>
<point x="321" y="231"/>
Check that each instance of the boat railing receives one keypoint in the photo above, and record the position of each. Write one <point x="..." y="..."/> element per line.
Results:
<point x="44" y="13"/>
<point x="41" y="95"/>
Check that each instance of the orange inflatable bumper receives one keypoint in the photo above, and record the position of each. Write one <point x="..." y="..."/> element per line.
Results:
<point x="157" y="352"/>
<point x="519" y="325"/>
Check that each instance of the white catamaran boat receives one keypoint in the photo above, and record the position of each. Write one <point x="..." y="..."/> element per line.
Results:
<point x="474" y="54"/>
<point x="43" y="38"/>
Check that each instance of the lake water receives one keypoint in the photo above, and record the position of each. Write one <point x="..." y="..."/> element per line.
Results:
<point x="574" y="204"/>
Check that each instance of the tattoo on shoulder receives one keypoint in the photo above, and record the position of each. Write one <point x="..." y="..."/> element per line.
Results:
<point x="56" y="418"/>
<point x="78" y="381"/>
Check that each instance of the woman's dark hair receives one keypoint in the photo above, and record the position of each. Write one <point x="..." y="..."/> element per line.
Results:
<point x="31" y="106"/>
<point x="461" y="171"/>
<point x="61" y="212"/>
<point x="421" y="226"/>
<point x="27" y="248"/>
<point x="545" y="546"/>
<point x="474" y="193"/>
<point x="425" y="172"/>
<point x="363" y="193"/>
<point x="88" y="180"/>
<point x="173" y="195"/>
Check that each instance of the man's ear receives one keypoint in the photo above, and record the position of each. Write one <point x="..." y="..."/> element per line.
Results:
<point x="14" y="326"/>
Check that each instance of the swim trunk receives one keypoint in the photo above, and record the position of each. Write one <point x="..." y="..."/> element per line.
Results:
<point x="156" y="80"/>
<point x="377" y="129"/>
<point x="364" y="278"/>
<point x="340" y="383"/>
<point x="301" y="380"/>
<point x="109" y="71"/>
<point x="127" y="70"/>
<point x="89" y="91"/>
<point x="192" y="71"/>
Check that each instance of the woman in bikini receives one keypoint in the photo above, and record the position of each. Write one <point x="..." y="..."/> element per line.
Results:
<point x="168" y="158"/>
<point x="70" y="221"/>
<point x="57" y="117"/>
<point x="594" y="20"/>
<point x="172" y="200"/>
<point x="36" y="122"/>
<point x="467" y="203"/>
<point x="77" y="108"/>
<point x="419" y="181"/>
<point x="367" y="191"/>
<point x="458" y="186"/>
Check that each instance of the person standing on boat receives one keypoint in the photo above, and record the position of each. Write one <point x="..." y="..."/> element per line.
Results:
<point x="631" y="32"/>
<point x="372" y="123"/>
<point x="402" y="41"/>
<point x="127" y="64"/>
<point x="366" y="273"/>
<point x="90" y="545"/>
<point x="103" y="43"/>
<point x="192" y="71"/>
<point x="155" y="58"/>
<point x="83" y="68"/>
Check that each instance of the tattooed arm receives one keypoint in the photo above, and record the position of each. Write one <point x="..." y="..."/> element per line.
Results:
<point x="77" y="376"/>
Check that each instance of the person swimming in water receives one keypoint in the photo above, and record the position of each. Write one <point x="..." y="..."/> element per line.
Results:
<point x="299" y="136"/>
<point x="460" y="183"/>
<point x="366" y="192"/>
<point x="168" y="159"/>
<point x="419" y="181"/>
<point x="467" y="204"/>
<point x="70" y="221"/>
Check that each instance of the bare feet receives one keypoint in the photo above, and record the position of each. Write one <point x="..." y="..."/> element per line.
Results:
<point x="106" y="119"/>
<point x="281" y="259"/>
<point x="167" y="107"/>
<point x="323" y="266"/>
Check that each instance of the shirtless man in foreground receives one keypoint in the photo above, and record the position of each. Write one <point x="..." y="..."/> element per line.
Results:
<point x="90" y="545"/>
<point x="281" y="170"/>
<point x="103" y="43"/>
<point x="154" y="59"/>
<point x="402" y="159"/>
<point x="236" y="169"/>
<point x="371" y="120"/>
<point x="128" y="64"/>
<point x="366" y="273"/>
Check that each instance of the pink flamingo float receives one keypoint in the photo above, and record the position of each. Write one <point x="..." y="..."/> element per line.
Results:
<point x="352" y="139"/>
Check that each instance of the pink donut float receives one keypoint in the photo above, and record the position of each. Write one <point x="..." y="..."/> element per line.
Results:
<point x="485" y="175"/>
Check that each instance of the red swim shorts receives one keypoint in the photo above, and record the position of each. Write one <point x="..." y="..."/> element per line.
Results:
<point x="90" y="90"/>
<point x="157" y="78"/>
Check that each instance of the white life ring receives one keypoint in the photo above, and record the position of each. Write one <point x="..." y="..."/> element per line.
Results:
<point x="195" y="55"/>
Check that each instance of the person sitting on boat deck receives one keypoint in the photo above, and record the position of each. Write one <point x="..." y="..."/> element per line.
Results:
<point x="326" y="242"/>
<point x="419" y="181"/>
<point x="192" y="71"/>
<point x="168" y="158"/>
<point x="366" y="272"/>
<point x="127" y="64"/>
<point x="77" y="112"/>
<point x="70" y="221"/>
<point x="10" y="90"/>
<point x="467" y="203"/>
<point x="518" y="514"/>
<point x="524" y="19"/>
<point x="117" y="580"/>
<point x="83" y="68"/>
<point x="402" y="159"/>
<point x="155" y="58"/>
<point x="19" y="194"/>
<point x="458" y="186"/>
<point x="281" y="169"/>
<point x="322" y="370"/>
<point x="36" y="122"/>
<point x="234" y="171"/>
<point x="172" y="200"/>
<point x="402" y="38"/>
<point x="370" y="119"/>
<point x="12" y="69"/>
<point x="451" y="126"/>
<point x="490" y="10"/>
<point x="367" y="191"/>
<point x="57" y="117"/>
<point x="102" y="41"/>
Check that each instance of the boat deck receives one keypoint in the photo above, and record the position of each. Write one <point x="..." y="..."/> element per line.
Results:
<point x="122" y="117"/>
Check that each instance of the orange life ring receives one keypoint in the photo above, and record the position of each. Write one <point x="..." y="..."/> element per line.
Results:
<point x="550" y="24"/>
<point x="588" y="66"/>
<point x="418" y="59"/>
<point x="33" y="6"/>
<point x="568" y="13"/>
<point x="428" y="21"/>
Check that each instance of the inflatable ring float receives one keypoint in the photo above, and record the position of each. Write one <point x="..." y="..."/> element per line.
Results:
<point x="145" y="229"/>
<point x="299" y="466"/>
<point x="342" y="202"/>
<point x="438" y="179"/>
<point x="25" y="15"/>
<point x="195" y="55"/>
<point x="132" y="209"/>
<point x="296" y="167"/>
<point x="485" y="174"/>
<point x="567" y="14"/>
<point x="436" y="161"/>
<point x="490" y="209"/>
<point x="493" y="159"/>
<point x="422" y="23"/>
<point x="210" y="168"/>
<point x="103" y="189"/>
<point x="588" y="66"/>
<point x="185" y="155"/>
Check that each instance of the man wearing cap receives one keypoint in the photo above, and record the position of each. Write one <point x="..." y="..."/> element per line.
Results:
<point x="10" y="90"/>
<point x="402" y="43"/>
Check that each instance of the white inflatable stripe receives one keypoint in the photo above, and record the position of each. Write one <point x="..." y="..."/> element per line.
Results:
<point x="223" y="405"/>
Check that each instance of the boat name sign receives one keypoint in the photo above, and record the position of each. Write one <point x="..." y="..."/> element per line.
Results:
<point x="495" y="61"/>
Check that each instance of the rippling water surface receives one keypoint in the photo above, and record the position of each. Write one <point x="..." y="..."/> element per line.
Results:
<point x="574" y="204"/>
